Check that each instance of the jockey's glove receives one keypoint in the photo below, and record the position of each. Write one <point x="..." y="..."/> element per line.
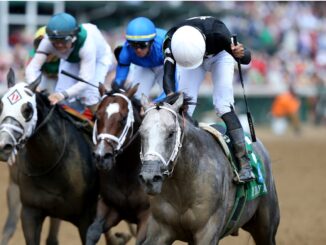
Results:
<point x="56" y="98"/>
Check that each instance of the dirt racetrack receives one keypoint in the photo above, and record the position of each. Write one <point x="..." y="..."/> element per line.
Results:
<point x="299" y="167"/>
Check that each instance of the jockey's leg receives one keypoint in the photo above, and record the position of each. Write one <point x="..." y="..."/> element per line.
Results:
<point x="222" y="67"/>
<point x="238" y="140"/>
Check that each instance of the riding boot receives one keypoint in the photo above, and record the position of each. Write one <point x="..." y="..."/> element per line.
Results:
<point x="236" y="134"/>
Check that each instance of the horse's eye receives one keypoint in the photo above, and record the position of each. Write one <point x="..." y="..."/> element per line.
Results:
<point x="171" y="134"/>
<point x="27" y="111"/>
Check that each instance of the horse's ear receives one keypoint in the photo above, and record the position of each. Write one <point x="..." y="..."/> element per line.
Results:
<point x="102" y="89"/>
<point x="132" y="91"/>
<point x="145" y="102"/>
<point x="32" y="86"/>
<point x="11" y="78"/>
<point x="179" y="102"/>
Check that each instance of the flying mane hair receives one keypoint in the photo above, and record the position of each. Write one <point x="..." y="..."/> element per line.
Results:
<point x="171" y="99"/>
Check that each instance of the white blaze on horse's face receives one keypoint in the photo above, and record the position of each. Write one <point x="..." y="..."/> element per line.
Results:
<point x="19" y="103"/>
<point x="112" y="109"/>
<point x="158" y="135"/>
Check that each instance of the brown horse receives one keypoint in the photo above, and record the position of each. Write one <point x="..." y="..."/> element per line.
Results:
<point x="117" y="156"/>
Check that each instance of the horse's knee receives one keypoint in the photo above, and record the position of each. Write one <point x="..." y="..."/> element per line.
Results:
<point x="52" y="242"/>
<point x="94" y="233"/>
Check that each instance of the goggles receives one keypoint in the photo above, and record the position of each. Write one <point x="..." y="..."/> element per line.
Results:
<point x="62" y="41"/>
<point x="141" y="45"/>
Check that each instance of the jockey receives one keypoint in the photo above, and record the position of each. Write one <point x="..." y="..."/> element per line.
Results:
<point x="50" y="68"/>
<point x="83" y="51"/>
<point x="199" y="45"/>
<point x="142" y="49"/>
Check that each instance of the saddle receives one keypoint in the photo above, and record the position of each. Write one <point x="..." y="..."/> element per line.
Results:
<point x="248" y="191"/>
<point x="82" y="121"/>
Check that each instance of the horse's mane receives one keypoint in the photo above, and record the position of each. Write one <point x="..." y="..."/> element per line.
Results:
<point x="171" y="99"/>
<point x="136" y="103"/>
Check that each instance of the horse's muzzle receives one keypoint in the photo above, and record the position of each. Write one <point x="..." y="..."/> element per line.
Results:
<point x="6" y="148"/>
<point x="151" y="177"/>
<point x="104" y="162"/>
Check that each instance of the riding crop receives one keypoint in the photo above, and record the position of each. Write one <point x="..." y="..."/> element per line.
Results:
<point x="249" y="117"/>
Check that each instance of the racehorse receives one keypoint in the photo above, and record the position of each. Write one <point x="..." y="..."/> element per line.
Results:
<point x="117" y="155"/>
<point x="190" y="178"/>
<point x="54" y="168"/>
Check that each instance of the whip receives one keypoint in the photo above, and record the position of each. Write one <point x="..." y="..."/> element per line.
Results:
<point x="249" y="117"/>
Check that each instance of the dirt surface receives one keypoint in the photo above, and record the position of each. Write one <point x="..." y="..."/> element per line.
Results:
<point x="299" y="168"/>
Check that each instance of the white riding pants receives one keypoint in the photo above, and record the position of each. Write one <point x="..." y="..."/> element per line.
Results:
<point x="146" y="77"/>
<point x="222" y="68"/>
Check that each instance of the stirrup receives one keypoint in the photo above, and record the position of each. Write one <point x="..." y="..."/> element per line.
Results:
<point x="238" y="180"/>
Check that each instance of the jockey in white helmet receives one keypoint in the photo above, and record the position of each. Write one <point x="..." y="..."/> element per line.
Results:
<point x="199" y="45"/>
<point x="82" y="50"/>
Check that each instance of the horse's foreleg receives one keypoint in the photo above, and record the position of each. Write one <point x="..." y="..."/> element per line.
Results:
<point x="208" y="234"/>
<point x="52" y="238"/>
<point x="158" y="233"/>
<point x="14" y="207"/>
<point x="32" y="221"/>
<point x="100" y="224"/>
<point x="142" y="226"/>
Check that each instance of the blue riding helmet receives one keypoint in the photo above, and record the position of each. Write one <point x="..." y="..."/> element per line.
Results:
<point x="62" y="26"/>
<point x="140" y="29"/>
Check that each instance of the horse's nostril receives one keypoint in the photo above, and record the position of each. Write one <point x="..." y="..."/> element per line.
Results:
<point x="96" y="156"/>
<point x="157" y="178"/>
<point x="8" y="148"/>
<point x="108" y="155"/>
<point x="141" y="179"/>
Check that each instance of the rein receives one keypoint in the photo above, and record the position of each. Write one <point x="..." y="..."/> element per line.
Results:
<point x="177" y="145"/>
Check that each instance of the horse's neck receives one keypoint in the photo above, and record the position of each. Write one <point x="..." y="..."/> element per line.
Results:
<point x="200" y="158"/>
<point x="129" y="159"/>
<point x="48" y="140"/>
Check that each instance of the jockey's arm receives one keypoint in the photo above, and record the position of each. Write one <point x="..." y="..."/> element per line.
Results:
<point x="86" y="72"/>
<point x="33" y="69"/>
<point x="169" y="68"/>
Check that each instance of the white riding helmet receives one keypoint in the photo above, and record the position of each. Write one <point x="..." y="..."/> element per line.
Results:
<point x="188" y="47"/>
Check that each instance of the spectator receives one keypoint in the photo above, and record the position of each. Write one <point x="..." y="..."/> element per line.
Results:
<point x="285" y="108"/>
<point x="6" y="62"/>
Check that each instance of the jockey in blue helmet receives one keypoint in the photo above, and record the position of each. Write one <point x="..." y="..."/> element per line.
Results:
<point x="142" y="52"/>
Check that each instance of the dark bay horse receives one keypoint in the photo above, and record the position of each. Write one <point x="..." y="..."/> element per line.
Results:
<point x="53" y="161"/>
<point x="190" y="178"/>
<point x="117" y="155"/>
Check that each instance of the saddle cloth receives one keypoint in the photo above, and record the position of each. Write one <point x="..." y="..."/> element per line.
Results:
<point x="253" y="188"/>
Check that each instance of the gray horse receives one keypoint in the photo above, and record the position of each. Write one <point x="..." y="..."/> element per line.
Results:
<point x="190" y="178"/>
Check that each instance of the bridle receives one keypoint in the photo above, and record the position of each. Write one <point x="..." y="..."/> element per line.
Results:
<point x="177" y="145"/>
<point x="120" y="141"/>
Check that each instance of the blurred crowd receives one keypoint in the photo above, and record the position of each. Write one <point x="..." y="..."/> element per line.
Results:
<point x="287" y="40"/>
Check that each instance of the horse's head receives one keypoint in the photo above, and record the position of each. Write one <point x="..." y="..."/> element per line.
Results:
<point x="160" y="141"/>
<point x="18" y="115"/>
<point x="113" y="126"/>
